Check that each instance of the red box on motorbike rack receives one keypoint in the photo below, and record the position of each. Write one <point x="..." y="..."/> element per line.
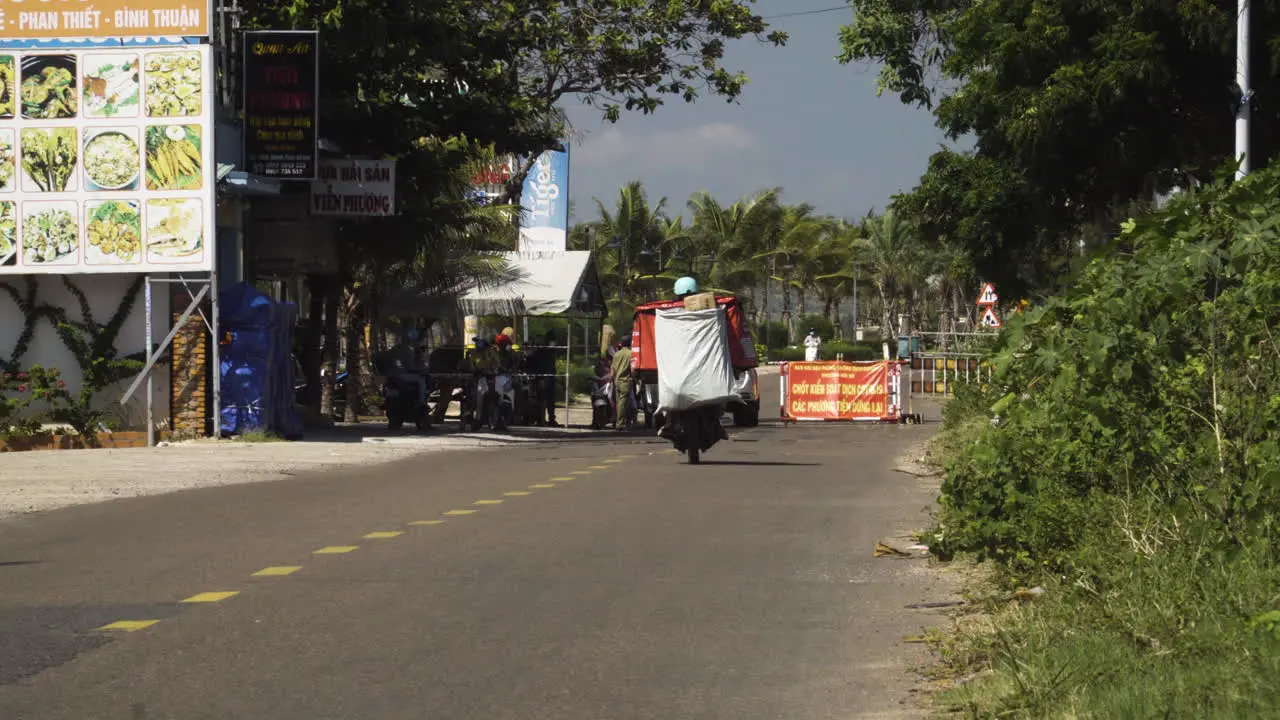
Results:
<point x="839" y="391"/>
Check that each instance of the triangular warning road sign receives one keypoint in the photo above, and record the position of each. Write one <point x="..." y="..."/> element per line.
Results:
<point x="990" y="319"/>
<point x="988" y="295"/>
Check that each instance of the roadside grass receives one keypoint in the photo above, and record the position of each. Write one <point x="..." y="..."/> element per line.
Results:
<point x="1165" y="628"/>
<point x="259" y="436"/>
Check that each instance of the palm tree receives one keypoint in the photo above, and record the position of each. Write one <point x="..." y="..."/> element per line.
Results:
<point x="889" y="246"/>
<point x="633" y="230"/>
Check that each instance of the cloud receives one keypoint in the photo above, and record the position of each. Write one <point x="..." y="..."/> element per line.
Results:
<point x="673" y="149"/>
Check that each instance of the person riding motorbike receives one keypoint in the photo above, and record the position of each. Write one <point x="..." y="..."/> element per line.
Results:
<point x="506" y="359"/>
<point x="403" y="364"/>
<point x="686" y="286"/>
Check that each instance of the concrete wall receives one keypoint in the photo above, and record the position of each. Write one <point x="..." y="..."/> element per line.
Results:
<point x="104" y="293"/>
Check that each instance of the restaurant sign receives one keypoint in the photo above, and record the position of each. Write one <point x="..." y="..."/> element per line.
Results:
<point x="80" y="19"/>
<point x="363" y="188"/>
<point x="281" y="76"/>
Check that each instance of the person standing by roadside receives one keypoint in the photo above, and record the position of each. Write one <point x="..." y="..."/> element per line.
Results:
<point x="542" y="362"/>
<point x="811" y="344"/>
<point x="622" y="383"/>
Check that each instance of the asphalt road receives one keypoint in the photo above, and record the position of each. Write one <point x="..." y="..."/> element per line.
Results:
<point x="595" y="579"/>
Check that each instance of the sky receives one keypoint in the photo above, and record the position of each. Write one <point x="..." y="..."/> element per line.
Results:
<point x="805" y="123"/>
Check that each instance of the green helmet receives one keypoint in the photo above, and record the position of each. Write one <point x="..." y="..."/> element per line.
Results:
<point x="686" y="286"/>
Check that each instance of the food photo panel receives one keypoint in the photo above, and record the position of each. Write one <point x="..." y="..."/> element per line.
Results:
<point x="173" y="84"/>
<point x="50" y="233"/>
<point x="174" y="159"/>
<point x="111" y="159"/>
<point x="48" y="88"/>
<point x="175" y="230"/>
<point x="8" y="233"/>
<point x="111" y="86"/>
<point x="8" y="160"/>
<point x="49" y="159"/>
<point x="8" y="87"/>
<point x="113" y="232"/>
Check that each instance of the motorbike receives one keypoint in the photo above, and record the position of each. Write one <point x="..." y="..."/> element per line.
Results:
<point x="403" y="404"/>
<point x="494" y="402"/>
<point x="694" y="431"/>
<point x="602" y="409"/>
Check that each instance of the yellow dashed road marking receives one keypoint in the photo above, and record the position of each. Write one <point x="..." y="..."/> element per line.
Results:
<point x="277" y="570"/>
<point x="383" y="535"/>
<point x="518" y="493"/>
<point x="487" y="502"/>
<point x="613" y="461"/>
<point x="129" y="625"/>
<point x="427" y="522"/>
<point x="461" y="512"/>
<point x="336" y="549"/>
<point x="597" y="467"/>
<point x="210" y="597"/>
<point x="542" y="485"/>
<point x="561" y="479"/>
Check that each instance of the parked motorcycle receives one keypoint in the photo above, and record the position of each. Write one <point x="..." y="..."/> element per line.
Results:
<point x="694" y="431"/>
<point x="493" y="403"/>
<point x="404" y="404"/>
<point x="602" y="408"/>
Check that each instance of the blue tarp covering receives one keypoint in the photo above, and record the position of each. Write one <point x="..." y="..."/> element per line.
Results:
<point x="257" y="367"/>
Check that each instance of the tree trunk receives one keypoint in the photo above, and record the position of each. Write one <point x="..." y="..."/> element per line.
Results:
<point x="886" y="309"/>
<point x="330" y="348"/>
<point x="353" y="336"/>
<point x="313" y="333"/>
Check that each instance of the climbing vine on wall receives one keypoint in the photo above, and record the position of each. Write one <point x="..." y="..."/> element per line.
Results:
<point x="31" y="311"/>
<point x="92" y="344"/>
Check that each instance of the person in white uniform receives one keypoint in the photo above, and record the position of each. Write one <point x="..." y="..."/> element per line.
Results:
<point x="811" y="344"/>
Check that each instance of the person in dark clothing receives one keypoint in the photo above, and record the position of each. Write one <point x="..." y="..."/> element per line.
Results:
<point x="542" y="363"/>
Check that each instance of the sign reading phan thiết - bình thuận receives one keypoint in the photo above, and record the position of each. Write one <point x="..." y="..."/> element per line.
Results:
<point x="102" y="19"/>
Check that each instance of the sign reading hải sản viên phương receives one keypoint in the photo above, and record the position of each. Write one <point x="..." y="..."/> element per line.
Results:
<point x="354" y="188"/>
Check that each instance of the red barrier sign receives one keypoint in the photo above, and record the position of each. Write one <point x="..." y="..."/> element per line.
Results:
<point x="837" y="391"/>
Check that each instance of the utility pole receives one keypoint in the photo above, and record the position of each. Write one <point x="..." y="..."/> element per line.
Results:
<point x="1242" y="80"/>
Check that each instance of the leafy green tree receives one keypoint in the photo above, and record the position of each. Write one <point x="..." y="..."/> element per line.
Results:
<point x="622" y="55"/>
<point x="1075" y="108"/>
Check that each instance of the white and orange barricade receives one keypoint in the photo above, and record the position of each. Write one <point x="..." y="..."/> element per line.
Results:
<point x="840" y="391"/>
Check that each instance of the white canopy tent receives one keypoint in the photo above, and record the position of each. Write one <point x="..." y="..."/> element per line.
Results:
<point x="562" y="284"/>
<point x="540" y="283"/>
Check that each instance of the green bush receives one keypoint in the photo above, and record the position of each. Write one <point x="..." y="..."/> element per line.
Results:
<point x="820" y="324"/>
<point x="1153" y="377"/>
<point x="1126" y="457"/>
<point x="579" y="375"/>
<point x="774" y="333"/>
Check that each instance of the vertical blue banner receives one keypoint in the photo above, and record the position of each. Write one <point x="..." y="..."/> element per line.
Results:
<point x="544" y="222"/>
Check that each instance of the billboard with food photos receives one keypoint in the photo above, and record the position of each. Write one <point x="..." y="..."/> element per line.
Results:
<point x="106" y="160"/>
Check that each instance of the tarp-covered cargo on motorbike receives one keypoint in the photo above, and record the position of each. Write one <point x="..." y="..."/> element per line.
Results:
<point x="693" y="358"/>
<point x="742" y="348"/>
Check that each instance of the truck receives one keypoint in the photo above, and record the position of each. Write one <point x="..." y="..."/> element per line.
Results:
<point x="742" y="353"/>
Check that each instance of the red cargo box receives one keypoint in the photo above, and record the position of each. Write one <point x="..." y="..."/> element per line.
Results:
<point x="742" y="344"/>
